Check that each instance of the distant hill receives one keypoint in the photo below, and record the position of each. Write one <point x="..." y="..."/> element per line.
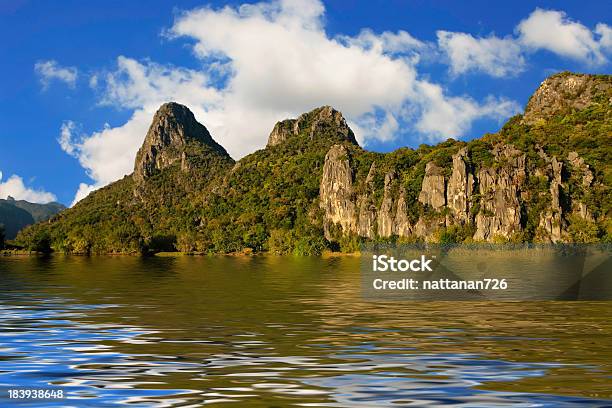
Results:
<point x="546" y="176"/>
<point x="18" y="214"/>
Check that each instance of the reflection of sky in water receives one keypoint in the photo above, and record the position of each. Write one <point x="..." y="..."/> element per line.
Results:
<point x="46" y="343"/>
<point x="41" y="347"/>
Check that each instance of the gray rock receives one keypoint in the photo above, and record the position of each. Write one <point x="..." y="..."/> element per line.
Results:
<point x="433" y="189"/>
<point x="173" y="127"/>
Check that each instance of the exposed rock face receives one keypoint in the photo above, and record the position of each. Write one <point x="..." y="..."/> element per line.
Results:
<point x="367" y="216"/>
<point x="324" y="121"/>
<point x="367" y="208"/>
<point x="551" y="221"/>
<point x="402" y="227"/>
<point x="582" y="170"/>
<point x="426" y="227"/>
<point x="336" y="191"/>
<point x="358" y="214"/>
<point x="187" y="193"/>
<point x="560" y="93"/>
<point x="582" y="211"/>
<point x="460" y="188"/>
<point x="386" y="216"/>
<point x="579" y="165"/>
<point x="282" y="131"/>
<point x="173" y="127"/>
<point x="432" y="191"/>
<point x="500" y="213"/>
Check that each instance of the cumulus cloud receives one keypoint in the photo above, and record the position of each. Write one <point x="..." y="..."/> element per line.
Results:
<point x="49" y="71"/>
<point x="444" y="116"/>
<point x="495" y="56"/>
<point x="549" y="30"/>
<point x="605" y="33"/>
<point x="265" y="62"/>
<point x="552" y="30"/>
<point x="106" y="155"/>
<point x="386" y="42"/>
<point x="15" y="187"/>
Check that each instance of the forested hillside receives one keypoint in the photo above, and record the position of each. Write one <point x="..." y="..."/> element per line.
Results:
<point x="544" y="177"/>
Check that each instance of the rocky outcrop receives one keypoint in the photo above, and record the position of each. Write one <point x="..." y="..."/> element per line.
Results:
<point x="386" y="215"/>
<point x="323" y="122"/>
<point x="583" y="169"/>
<point x="460" y="188"/>
<point x="401" y="226"/>
<point x="551" y="220"/>
<point x="336" y="192"/>
<point x="358" y="213"/>
<point x="165" y="144"/>
<point x="432" y="190"/>
<point x="499" y="187"/>
<point x="366" y="221"/>
<point x="282" y="131"/>
<point x="187" y="193"/>
<point x="561" y="93"/>
<point x="582" y="210"/>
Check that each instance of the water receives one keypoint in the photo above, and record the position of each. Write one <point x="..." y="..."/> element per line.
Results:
<point x="281" y="331"/>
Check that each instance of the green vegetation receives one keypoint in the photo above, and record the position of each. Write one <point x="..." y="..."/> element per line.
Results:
<point x="269" y="200"/>
<point x="13" y="218"/>
<point x="17" y="214"/>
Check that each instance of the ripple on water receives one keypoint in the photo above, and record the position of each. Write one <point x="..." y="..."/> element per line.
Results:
<point x="176" y="338"/>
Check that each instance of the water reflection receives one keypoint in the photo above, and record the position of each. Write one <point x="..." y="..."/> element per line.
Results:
<point x="268" y="331"/>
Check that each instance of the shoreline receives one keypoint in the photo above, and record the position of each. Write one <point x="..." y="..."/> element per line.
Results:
<point x="164" y="254"/>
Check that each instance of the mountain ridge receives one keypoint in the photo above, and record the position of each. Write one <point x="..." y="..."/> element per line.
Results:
<point x="544" y="177"/>
<point x="18" y="214"/>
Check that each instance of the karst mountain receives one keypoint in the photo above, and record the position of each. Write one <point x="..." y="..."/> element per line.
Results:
<point x="546" y="176"/>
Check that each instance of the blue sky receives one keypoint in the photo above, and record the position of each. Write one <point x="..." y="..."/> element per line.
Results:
<point x="80" y="80"/>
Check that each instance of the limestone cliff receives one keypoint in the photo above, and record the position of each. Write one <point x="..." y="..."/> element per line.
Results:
<point x="460" y="188"/>
<point x="488" y="190"/>
<point x="337" y="191"/>
<point x="432" y="191"/>
<point x="320" y="122"/>
<point x="544" y="177"/>
<point x="499" y="193"/>
<point x="562" y="93"/>
<point x="499" y="187"/>
<point x="167" y="142"/>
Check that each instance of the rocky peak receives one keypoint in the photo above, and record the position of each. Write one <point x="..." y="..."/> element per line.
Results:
<point x="433" y="188"/>
<point x="173" y="128"/>
<point x="321" y="122"/>
<point x="564" y="92"/>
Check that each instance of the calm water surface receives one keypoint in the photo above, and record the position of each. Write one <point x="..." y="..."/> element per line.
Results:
<point x="276" y="332"/>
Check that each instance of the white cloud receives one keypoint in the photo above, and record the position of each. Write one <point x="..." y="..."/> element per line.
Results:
<point x="83" y="191"/>
<point x="106" y="155"/>
<point x="49" y="71"/>
<point x="495" y="56"/>
<point x="386" y="42"/>
<point x="542" y="30"/>
<point x="445" y="116"/>
<point x="65" y="139"/>
<point x="15" y="187"/>
<point x="552" y="30"/>
<point x="605" y="33"/>
<point x="265" y="62"/>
